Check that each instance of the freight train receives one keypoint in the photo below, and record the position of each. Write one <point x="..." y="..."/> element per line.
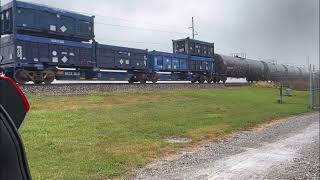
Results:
<point x="41" y="44"/>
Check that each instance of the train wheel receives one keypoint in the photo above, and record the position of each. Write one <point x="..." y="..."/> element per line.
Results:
<point x="21" y="76"/>
<point x="224" y="80"/>
<point x="202" y="79"/>
<point x="38" y="82"/>
<point x="49" y="77"/>
<point x="143" y="81"/>
<point x="155" y="79"/>
<point x="130" y="81"/>
<point x="142" y="78"/>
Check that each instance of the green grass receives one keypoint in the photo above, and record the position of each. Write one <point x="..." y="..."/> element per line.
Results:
<point x="109" y="135"/>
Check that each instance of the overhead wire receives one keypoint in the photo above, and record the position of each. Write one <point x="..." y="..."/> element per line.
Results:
<point x="128" y="27"/>
<point x="113" y="17"/>
<point x="136" y="42"/>
<point x="139" y="28"/>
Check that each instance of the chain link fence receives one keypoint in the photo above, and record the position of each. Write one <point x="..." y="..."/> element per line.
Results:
<point x="314" y="89"/>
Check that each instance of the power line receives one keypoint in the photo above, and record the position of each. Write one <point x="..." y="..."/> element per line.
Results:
<point x="131" y="20"/>
<point x="139" y="28"/>
<point x="112" y="17"/>
<point x="136" y="42"/>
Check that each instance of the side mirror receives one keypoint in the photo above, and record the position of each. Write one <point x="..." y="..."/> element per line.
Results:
<point x="13" y="108"/>
<point x="13" y="100"/>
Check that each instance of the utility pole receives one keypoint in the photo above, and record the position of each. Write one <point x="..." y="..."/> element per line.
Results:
<point x="192" y="28"/>
<point x="194" y="32"/>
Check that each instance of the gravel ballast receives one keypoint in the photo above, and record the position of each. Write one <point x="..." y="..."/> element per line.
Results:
<point x="85" y="89"/>
<point x="288" y="149"/>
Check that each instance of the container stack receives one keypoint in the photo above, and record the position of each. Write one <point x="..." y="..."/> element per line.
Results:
<point x="34" y="37"/>
<point x="200" y="53"/>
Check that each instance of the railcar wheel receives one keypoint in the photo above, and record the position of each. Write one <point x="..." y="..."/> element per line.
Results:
<point x="202" y="79"/>
<point x="37" y="82"/>
<point x="143" y="81"/>
<point x="130" y="81"/>
<point x="224" y="80"/>
<point x="142" y="78"/>
<point x="155" y="79"/>
<point x="49" y="77"/>
<point x="21" y="76"/>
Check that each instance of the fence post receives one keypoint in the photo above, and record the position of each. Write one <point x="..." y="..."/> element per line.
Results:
<point x="310" y="87"/>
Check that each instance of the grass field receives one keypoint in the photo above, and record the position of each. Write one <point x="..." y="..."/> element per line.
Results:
<point x="109" y="135"/>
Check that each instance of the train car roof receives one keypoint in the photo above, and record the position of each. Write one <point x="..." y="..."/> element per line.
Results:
<point x="161" y="53"/>
<point x="41" y="7"/>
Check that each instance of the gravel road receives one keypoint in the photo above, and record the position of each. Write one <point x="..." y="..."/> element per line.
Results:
<point x="285" y="150"/>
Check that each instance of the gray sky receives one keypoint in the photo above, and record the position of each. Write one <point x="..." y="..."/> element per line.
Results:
<point x="283" y="30"/>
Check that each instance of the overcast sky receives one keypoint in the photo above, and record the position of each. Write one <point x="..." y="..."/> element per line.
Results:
<point x="282" y="30"/>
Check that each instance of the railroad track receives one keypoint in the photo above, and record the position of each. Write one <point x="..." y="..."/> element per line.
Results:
<point x="89" y="88"/>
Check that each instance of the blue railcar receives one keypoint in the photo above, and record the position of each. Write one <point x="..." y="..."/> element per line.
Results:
<point x="36" y="58"/>
<point x="121" y="58"/>
<point x="167" y="62"/>
<point x="201" y="64"/>
<point x="133" y="61"/>
<point x="202" y="69"/>
<point x="39" y="20"/>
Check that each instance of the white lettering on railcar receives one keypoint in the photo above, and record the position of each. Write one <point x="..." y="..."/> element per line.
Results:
<point x="35" y="59"/>
<point x="127" y="61"/>
<point x="72" y="73"/>
<point x="19" y="52"/>
<point x="57" y="41"/>
<point x="55" y="59"/>
<point x="53" y="28"/>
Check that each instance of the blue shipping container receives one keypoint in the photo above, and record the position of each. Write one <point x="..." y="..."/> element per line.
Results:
<point x="26" y="50"/>
<point x="122" y="58"/>
<point x="40" y="20"/>
<point x="167" y="62"/>
<point x="201" y="64"/>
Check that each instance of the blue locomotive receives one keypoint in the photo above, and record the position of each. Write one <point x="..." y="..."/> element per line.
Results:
<point x="41" y="44"/>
